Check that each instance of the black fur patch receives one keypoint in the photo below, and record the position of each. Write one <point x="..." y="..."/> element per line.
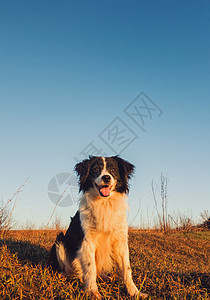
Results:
<point x="125" y="171"/>
<point x="74" y="236"/>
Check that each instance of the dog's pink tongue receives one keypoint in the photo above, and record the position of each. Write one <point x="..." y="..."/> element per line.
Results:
<point x="105" y="191"/>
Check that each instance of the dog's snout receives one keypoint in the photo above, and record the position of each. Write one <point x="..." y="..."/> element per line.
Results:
<point x="106" y="178"/>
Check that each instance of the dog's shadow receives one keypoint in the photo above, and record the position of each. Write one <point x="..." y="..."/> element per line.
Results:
<point x="27" y="252"/>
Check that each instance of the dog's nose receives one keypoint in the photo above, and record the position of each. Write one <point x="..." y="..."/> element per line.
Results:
<point x="106" y="178"/>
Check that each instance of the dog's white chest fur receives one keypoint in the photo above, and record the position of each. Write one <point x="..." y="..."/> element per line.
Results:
<point x="104" y="215"/>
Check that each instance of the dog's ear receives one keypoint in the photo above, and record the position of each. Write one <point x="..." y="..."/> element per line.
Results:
<point x="124" y="165"/>
<point x="126" y="170"/>
<point x="82" y="169"/>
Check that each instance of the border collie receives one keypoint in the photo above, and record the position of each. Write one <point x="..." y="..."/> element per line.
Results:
<point x="97" y="238"/>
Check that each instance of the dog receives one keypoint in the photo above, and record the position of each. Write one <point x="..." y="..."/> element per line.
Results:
<point x="97" y="238"/>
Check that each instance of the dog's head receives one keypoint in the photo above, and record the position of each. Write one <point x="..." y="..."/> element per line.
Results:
<point x="104" y="174"/>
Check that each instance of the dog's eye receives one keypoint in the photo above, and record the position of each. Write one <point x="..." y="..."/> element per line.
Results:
<point x="96" y="168"/>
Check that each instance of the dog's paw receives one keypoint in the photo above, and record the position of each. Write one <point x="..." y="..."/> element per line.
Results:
<point x="95" y="294"/>
<point x="134" y="292"/>
<point x="142" y="295"/>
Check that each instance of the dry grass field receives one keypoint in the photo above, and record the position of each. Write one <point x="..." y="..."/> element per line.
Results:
<point x="165" y="266"/>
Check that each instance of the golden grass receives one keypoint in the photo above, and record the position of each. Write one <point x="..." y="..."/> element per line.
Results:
<point x="173" y="266"/>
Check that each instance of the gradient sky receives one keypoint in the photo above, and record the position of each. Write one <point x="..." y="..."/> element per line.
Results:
<point x="69" y="68"/>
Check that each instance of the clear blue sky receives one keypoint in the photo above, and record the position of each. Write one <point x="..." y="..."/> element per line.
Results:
<point x="69" y="68"/>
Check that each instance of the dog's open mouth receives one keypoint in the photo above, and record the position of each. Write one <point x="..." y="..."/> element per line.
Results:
<point x="104" y="190"/>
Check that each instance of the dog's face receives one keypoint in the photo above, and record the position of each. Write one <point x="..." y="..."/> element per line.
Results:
<point x="104" y="174"/>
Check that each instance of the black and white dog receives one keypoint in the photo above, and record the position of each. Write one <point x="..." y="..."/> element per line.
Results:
<point x="97" y="237"/>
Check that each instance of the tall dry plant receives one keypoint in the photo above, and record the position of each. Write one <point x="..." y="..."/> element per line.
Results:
<point x="162" y="190"/>
<point x="4" y="217"/>
<point x="6" y="213"/>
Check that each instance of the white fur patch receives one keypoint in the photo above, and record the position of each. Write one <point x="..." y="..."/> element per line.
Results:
<point x="103" y="214"/>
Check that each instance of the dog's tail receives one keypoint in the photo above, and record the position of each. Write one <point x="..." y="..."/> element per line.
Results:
<point x="58" y="255"/>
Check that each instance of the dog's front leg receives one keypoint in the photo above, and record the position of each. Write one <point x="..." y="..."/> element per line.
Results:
<point x="88" y="264"/>
<point x="122" y="257"/>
